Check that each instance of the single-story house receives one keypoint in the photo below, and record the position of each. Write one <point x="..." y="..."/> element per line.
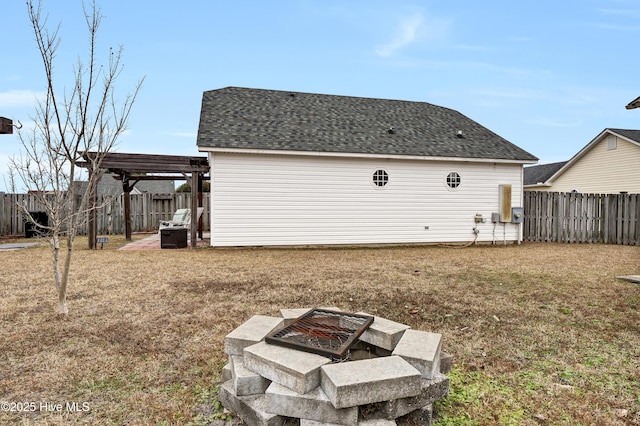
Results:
<point x="609" y="164"/>
<point x="291" y="168"/>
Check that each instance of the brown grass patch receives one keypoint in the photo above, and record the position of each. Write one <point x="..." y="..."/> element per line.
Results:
<point x="540" y="333"/>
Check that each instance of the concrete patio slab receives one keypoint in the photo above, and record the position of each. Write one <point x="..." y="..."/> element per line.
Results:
<point x="16" y="246"/>
<point x="152" y="242"/>
<point x="630" y="278"/>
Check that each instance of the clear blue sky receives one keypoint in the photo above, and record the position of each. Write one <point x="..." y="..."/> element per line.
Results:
<point x="547" y="75"/>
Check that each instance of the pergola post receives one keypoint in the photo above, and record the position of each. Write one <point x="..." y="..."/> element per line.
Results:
<point x="200" y="231"/>
<point x="194" y="209"/>
<point x="127" y="207"/>
<point x="92" y="224"/>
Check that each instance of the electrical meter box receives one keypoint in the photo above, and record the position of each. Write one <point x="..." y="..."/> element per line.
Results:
<point x="517" y="215"/>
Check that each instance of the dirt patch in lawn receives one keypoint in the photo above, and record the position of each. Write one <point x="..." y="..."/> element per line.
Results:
<point x="540" y="333"/>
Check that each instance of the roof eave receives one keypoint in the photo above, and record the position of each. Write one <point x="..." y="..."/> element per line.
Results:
<point x="537" y="185"/>
<point x="362" y="155"/>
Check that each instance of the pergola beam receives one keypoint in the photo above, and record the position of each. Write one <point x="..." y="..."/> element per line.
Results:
<point x="634" y="103"/>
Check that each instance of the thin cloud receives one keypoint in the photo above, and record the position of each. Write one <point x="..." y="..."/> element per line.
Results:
<point x="620" y="12"/>
<point x="407" y="34"/>
<point x="630" y="28"/>
<point x="18" y="98"/>
<point x="625" y="19"/>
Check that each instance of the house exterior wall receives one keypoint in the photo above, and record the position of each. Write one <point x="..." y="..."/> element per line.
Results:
<point x="305" y="200"/>
<point x="602" y="170"/>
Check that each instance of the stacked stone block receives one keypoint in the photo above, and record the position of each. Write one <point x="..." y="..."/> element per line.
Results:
<point x="393" y="374"/>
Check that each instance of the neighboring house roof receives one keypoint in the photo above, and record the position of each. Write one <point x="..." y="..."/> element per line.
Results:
<point x="541" y="173"/>
<point x="631" y="135"/>
<point x="109" y="185"/>
<point x="549" y="174"/>
<point x="239" y="119"/>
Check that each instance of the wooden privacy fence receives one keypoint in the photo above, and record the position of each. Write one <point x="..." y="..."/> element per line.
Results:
<point x="548" y="216"/>
<point x="147" y="210"/>
<point x="581" y="218"/>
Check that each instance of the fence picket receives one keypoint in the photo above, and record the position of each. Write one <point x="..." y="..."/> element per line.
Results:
<point x="582" y="218"/>
<point x="147" y="210"/>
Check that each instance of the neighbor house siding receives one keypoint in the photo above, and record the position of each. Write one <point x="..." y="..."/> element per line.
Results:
<point x="602" y="171"/>
<point x="306" y="200"/>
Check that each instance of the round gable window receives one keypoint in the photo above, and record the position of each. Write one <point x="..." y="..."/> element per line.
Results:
<point x="380" y="177"/>
<point x="453" y="180"/>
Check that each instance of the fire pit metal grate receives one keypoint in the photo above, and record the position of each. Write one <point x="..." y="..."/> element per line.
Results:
<point x="323" y="332"/>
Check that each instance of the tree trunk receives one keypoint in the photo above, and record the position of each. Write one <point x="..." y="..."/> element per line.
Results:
<point x="62" y="302"/>
<point x="62" y="290"/>
<point x="55" y="251"/>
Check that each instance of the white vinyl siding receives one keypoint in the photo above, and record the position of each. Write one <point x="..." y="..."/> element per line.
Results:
<point x="303" y="200"/>
<point x="602" y="170"/>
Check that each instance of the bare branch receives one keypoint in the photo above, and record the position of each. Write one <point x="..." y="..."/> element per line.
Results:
<point x="87" y="118"/>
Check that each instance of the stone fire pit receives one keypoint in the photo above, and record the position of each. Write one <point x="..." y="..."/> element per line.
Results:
<point x="391" y="375"/>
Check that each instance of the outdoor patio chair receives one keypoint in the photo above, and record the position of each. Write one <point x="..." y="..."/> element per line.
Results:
<point x="181" y="218"/>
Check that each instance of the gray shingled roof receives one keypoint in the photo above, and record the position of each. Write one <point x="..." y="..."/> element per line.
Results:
<point x="541" y="173"/>
<point x="634" y="135"/>
<point x="243" y="118"/>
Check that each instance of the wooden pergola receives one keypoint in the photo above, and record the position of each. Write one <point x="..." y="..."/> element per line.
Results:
<point x="133" y="168"/>
<point x="634" y="103"/>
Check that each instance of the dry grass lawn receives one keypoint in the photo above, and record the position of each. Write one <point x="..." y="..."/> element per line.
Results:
<point x="540" y="333"/>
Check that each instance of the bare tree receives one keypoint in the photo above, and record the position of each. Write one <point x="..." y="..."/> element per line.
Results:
<point x="68" y="123"/>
